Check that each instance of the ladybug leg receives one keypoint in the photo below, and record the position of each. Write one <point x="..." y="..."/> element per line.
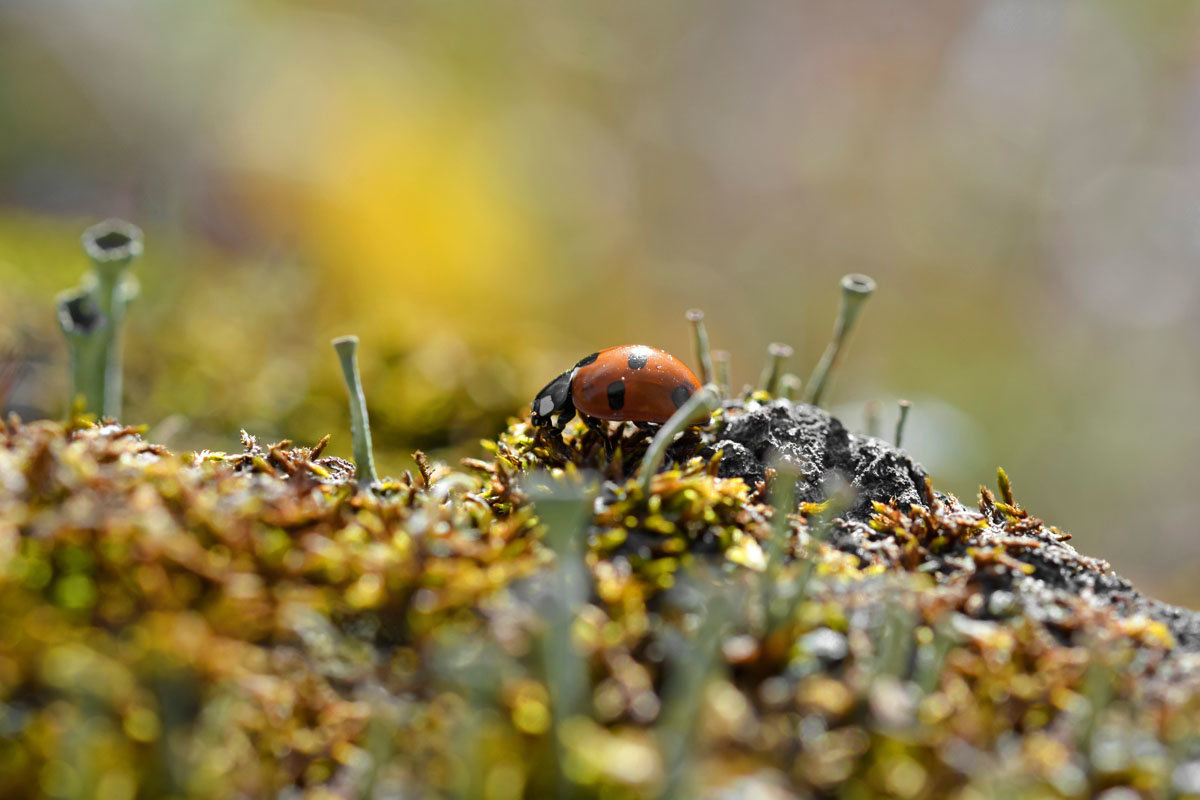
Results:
<point x="556" y="430"/>
<point x="566" y="413"/>
<point x="646" y="426"/>
<point x="598" y="427"/>
<point x="564" y="416"/>
<point x="595" y="425"/>
<point x="551" y="431"/>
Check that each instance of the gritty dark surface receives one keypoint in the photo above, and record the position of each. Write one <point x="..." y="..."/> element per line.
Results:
<point x="819" y="446"/>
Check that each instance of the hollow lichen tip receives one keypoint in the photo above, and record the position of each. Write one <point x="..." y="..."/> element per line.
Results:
<point x="856" y="283"/>
<point x="112" y="242"/>
<point x="78" y="314"/>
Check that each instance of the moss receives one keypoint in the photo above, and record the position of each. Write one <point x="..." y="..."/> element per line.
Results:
<point x="246" y="624"/>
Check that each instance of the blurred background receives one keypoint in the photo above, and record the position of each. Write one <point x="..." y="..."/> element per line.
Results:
<point x="486" y="192"/>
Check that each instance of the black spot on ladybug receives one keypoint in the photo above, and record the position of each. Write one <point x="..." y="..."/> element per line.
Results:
<point x="680" y="395"/>
<point x="616" y="395"/>
<point x="583" y="362"/>
<point x="637" y="360"/>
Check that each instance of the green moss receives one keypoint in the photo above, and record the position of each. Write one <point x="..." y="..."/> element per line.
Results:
<point x="225" y="625"/>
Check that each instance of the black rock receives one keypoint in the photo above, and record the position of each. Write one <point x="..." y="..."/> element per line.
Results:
<point x="823" y="451"/>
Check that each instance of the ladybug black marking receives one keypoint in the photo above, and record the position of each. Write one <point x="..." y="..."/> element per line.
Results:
<point x="680" y="395"/>
<point x="583" y="362"/>
<point x="616" y="395"/>
<point x="554" y="399"/>
<point x="636" y="360"/>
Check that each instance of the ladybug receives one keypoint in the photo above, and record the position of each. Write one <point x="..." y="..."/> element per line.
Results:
<point x="630" y="383"/>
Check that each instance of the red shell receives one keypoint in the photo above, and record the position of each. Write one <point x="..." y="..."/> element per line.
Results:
<point x="632" y="383"/>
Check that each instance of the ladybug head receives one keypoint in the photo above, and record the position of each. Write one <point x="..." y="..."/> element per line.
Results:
<point x="554" y="401"/>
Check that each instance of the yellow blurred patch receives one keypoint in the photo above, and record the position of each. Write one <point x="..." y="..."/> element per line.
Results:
<point x="398" y="196"/>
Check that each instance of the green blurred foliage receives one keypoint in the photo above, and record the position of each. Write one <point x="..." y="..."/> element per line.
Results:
<point x="484" y="195"/>
<point x="223" y="344"/>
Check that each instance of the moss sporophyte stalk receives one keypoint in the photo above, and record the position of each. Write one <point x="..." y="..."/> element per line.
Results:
<point x="747" y="600"/>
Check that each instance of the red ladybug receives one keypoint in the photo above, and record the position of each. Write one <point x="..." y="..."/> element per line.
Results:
<point x="631" y="383"/>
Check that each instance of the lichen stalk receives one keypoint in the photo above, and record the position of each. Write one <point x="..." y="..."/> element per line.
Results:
<point x="790" y="386"/>
<point x="563" y="509"/>
<point x="777" y="353"/>
<point x="873" y="412"/>
<point x="840" y="496"/>
<point x="721" y="361"/>
<point x="360" y="423"/>
<point x="677" y="726"/>
<point x="895" y="641"/>
<point x="699" y="406"/>
<point x="783" y="501"/>
<point x="855" y="291"/>
<point x="700" y="340"/>
<point x="82" y="325"/>
<point x="905" y="407"/>
<point x="112" y="245"/>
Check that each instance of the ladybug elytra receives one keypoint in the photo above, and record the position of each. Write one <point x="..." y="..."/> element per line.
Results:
<point x="630" y="383"/>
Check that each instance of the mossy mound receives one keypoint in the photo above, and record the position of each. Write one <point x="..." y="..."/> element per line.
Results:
<point x="249" y="625"/>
